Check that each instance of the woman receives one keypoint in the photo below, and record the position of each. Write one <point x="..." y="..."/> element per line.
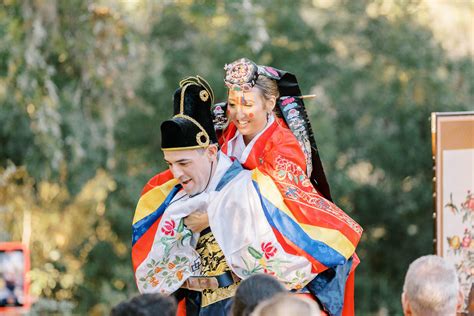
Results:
<point x="264" y="143"/>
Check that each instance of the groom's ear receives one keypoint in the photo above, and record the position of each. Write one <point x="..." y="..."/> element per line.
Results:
<point x="211" y="152"/>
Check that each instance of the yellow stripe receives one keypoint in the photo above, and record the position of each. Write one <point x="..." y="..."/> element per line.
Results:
<point x="331" y="237"/>
<point x="148" y="202"/>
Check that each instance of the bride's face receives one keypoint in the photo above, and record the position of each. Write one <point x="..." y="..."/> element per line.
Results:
<point x="248" y="111"/>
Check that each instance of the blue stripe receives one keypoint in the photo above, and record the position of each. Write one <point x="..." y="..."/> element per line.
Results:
<point x="141" y="227"/>
<point x="230" y="174"/>
<point x="291" y="230"/>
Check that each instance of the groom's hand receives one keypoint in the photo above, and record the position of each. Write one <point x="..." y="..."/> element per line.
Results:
<point x="197" y="221"/>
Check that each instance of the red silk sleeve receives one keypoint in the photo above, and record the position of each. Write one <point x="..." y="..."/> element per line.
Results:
<point x="158" y="179"/>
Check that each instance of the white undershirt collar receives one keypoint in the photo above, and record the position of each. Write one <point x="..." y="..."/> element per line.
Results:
<point x="236" y="146"/>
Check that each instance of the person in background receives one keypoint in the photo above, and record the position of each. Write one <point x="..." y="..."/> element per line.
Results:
<point x="287" y="304"/>
<point x="431" y="288"/>
<point x="146" y="305"/>
<point x="254" y="290"/>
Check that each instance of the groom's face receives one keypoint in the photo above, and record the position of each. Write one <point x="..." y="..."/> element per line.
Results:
<point x="192" y="168"/>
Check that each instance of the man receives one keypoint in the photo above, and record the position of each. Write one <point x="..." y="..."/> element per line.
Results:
<point x="287" y="304"/>
<point x="252" y="291"/>
<point x="431" y="288"/>
<point x="146" y="305"/>
<point x="174" y="253"/>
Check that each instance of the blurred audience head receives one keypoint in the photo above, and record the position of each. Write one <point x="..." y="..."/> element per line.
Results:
<point x="431" y="288"/>
<point x="287" y="304"/>
<point x="254" y="290"/>
<point x="146" y="305"/>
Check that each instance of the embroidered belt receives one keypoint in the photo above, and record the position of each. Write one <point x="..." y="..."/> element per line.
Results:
<point x="200" y="283"/>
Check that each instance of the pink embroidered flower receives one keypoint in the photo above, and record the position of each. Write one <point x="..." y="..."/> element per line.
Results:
<point x="268" y="249"/>
<point x="466" y="241"/>
<point x="272" y="71"/>
<point x="469" y="203"/>
<point x="168" y="227"/>
<point x="287" y="101"/>
<point x="268" y="272"/>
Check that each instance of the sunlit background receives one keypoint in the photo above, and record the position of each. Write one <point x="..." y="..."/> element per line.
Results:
<point x="84" y="86"/>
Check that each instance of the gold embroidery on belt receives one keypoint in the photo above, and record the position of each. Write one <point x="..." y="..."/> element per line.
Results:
<point x="213" y="296"/>
<point x="213" y="263"/>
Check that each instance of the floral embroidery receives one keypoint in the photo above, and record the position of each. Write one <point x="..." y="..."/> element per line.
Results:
<point x="168" y="227"/>
<point x="469" y="203"/>
<point x="268" y="249"/>
<point x="268" y="272"/>
<point x="461" y="246"/>
<point x="261" y="261"/>
<point x="165" y="270"/>
<point x="291" y="193"/>
<point x="267" y="262"/>
<point x="292" y="180"/>
<point x="300" y="280"/>
<point x="466" y="209"/>
<point x="168" y="270"/>
<point x="286" y="169"/>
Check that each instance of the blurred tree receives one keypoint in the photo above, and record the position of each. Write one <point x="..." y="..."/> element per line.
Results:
<point x="389" y="76"/>
<point x="65" y="81"/>
<point x="84" y="86"/>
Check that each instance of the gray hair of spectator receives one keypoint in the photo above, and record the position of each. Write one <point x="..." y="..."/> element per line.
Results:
<point x="431" y="286"/>
<point x="254" y="290"/>
<point x="146" y="305"/>
<point x="287" y="304"/>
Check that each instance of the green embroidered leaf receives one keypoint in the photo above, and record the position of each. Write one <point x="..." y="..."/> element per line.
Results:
<point x="185" y="236"/>
<point x="281" y="173"/>
<point x="153" y="262"/>
<point x="245" y="262"/>
<point x="255" y="253"/>
<point x="149" y="265"/>
<point x="165" y="273"/>
<point x="301" y="178"/>
<point x="142" y="279"/>
<point x="290" y="176"/>
<point x="180" y="226"/>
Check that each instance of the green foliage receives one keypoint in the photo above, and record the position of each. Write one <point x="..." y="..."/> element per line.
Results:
<point x="84" y="88"/>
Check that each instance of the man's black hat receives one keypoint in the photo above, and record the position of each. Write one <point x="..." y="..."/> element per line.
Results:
<point x="191" y="126"/>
